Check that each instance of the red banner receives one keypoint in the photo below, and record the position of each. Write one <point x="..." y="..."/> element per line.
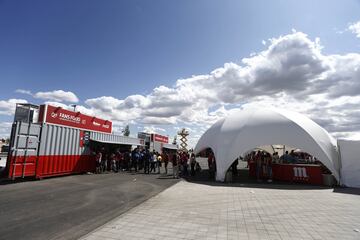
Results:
<point x="160" y="138"/>
<point x="60" y="116"/>
<point x="303" y="173"/>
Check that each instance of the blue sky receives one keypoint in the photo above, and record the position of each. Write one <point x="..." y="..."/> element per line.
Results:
<point x="123" y="48"/>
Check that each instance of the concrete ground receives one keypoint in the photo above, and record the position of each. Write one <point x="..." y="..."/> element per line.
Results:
<point x="125" y="206"/>
<point x="203" y="210"/>
<point x="70" y="207"/>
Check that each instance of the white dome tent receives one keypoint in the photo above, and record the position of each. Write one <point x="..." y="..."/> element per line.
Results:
<point x="250" y="128"/>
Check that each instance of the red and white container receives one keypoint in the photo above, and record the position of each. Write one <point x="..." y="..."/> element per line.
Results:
<point x="56" y="142"/>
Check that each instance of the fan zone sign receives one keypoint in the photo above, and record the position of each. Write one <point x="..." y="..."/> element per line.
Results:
<point x="60" y="116"/>
<point x="160" y="138"/>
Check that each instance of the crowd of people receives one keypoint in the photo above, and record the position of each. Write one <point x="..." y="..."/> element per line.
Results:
<point x="297" y="157"/>
<point x="184" y="164"/>
<point x="263" y="163"/>
<point x="145" y="161"/>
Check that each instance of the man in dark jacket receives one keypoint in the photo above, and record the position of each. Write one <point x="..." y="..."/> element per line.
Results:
<point x="147" y="158"/>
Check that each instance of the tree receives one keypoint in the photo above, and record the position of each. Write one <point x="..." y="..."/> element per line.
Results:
<point x="126" y="131"/>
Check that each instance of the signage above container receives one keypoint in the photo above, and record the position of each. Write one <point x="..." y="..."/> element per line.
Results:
<point x="159" y="138"/>
<point x="60" y="116"/>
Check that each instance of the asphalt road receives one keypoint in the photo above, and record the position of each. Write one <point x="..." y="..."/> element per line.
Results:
<point x="70" y="207"/>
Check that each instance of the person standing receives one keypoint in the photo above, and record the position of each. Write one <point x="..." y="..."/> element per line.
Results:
<point x="127" y="160"/>
<point x="258" y="163"/>
<point x="98" y="162"/>
<point x="141" y="158"/>
<point x="153" y="162"/>
<point x="104" y="162"/>
<point x="134" y="159"/>
<point x="234" y="168"/>
<point x="166" y="162"/>
<point x="118" y="161"/>
<point x="276" y="158"/>
<point x="175" y="165"/>
<point x="113" y="163"/>
<point x="211" y="163"/>
<point x="269" y="168"/>
<point x="184" y="163"/>
<point x="159" y="160"/>
<point x="192" y="164"/>
<point x="147" y="161"/>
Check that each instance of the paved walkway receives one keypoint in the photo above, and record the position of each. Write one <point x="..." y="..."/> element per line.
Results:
<point x="200" y="211"/>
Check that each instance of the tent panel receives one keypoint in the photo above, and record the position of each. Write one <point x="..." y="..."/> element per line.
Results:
<point x="350" y="162"/>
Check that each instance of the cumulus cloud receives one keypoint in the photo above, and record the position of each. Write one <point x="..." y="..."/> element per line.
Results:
<point x="7" y="107"/>
<point x="57" y="95"/>
<point x="355" y="28"/>
<point x="292" y="72"/>
<point x="152" y="129"/>
<point x="23" y="91"/>
<point x="5" y="128"/>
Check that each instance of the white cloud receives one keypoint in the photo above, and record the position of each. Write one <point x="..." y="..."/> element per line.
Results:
<point x="5" y="128"/>
<point x="118" y="128"/>
<point x="291" y="72"/>
<point x="23" y="91"/>
<point x="355" y="28"/>
<point x="57" y="95"/>
<point x="7" y="107"/>
<point x="153" y="129"/>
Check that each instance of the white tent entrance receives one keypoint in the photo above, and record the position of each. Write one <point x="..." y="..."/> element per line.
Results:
<point x="238" y="133"/>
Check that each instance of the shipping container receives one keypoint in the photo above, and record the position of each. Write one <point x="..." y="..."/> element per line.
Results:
<point x="43" y="150"/>
<point x="157" y="142"/>
<point x="49" y="143"/>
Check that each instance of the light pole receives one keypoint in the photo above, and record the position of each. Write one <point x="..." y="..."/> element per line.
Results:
<point x="74" y="106"/>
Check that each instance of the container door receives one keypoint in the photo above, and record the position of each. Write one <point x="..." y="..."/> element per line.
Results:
<point x="23" y="153"/>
